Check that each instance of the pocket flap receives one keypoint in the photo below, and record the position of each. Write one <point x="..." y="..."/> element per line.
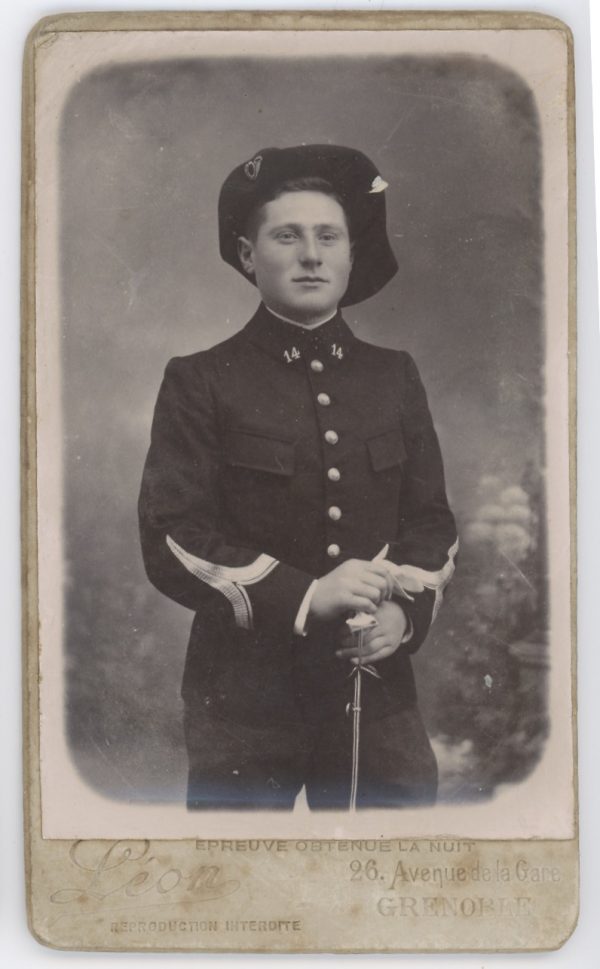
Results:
<point x="244" y="449"/>
<point x="387" y="450"/>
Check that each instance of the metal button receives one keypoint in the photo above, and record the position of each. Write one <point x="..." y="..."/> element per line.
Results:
<point x="333" y="551"/>
<point x="324" y="400"/>
<point x="334" y="513"/>
<point x="317" y="366"/>
<point x="331" y="437"/>
<point x="333" y="474"/>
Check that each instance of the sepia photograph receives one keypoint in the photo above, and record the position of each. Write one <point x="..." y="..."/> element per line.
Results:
<point x="303" y="433"/>
<point x="302" y="362"/>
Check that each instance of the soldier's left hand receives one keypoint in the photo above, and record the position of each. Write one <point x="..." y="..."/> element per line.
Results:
<point x="378" y="641"/>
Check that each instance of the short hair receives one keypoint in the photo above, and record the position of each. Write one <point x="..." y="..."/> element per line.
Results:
<point x="308" y="183"/>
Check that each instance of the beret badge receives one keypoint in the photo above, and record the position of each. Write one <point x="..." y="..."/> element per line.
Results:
<point x="252" y="168"/>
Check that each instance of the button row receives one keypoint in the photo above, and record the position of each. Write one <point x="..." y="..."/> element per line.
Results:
<point x="333" y="474"/>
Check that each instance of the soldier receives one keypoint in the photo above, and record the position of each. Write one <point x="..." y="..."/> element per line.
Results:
<point x="294" y="480"/>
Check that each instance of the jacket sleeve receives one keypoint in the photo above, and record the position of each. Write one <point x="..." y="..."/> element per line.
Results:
<point x="185" y="552"/>
<point x="426" y="543"/>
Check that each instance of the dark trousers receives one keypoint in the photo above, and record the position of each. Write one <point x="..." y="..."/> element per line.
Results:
<point x="236" y="767"/>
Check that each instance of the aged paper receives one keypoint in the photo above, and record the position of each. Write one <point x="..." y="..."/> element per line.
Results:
<point x="116" y="860"/>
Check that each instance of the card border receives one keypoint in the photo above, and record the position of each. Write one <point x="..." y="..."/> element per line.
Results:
<point x="275" y="20"/>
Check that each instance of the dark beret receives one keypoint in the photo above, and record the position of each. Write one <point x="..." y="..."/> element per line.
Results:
<point x="353" y="177"/>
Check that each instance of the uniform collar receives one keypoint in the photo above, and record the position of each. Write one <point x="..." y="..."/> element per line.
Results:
<point x="309" y="326"/>
<point x="289" y="343"/>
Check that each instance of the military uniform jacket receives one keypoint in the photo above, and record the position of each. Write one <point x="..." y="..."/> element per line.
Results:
<point x="274" y="457"/>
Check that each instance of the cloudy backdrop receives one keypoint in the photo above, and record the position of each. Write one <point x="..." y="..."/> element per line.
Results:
<point x="145" y="148"/>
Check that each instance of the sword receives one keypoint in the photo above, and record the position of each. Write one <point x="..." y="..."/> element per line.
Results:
<point x="357" y="625"/>
<point x="407" y="579"/>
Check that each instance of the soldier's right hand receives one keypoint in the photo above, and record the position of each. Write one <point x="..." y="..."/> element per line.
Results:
<point x="354" y="586"/>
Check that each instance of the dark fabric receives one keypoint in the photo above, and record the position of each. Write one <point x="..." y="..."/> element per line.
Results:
<point x="234" y="767"/>
<point x="353" y="177"/>
<point x="238" y="466"/>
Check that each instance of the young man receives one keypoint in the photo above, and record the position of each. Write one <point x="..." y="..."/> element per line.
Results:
<point x="294" y="480"/>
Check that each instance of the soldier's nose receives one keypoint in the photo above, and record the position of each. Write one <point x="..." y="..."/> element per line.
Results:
<point x="310" y="254"/>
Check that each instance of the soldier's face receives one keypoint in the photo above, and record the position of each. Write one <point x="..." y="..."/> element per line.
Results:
<point x="300" y="254"/>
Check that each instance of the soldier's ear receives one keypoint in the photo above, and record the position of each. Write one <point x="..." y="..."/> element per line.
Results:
<point x="245" y="254"/>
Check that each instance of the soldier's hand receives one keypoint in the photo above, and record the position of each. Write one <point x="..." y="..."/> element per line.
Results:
<point x="378" y="641"/>
<point x="354" y="586"/>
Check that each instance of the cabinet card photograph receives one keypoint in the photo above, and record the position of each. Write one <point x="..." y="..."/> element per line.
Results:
<point x="299" y="316"/>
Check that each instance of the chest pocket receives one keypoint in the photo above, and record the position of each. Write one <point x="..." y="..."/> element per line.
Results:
<point x="257" y="452"/>
<point x="387" y="450"/>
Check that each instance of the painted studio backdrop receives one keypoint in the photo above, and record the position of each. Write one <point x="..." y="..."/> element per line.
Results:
<point x="145" y="148"/>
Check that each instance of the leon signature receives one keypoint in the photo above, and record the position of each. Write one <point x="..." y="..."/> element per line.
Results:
<point x="128" y="869"/>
